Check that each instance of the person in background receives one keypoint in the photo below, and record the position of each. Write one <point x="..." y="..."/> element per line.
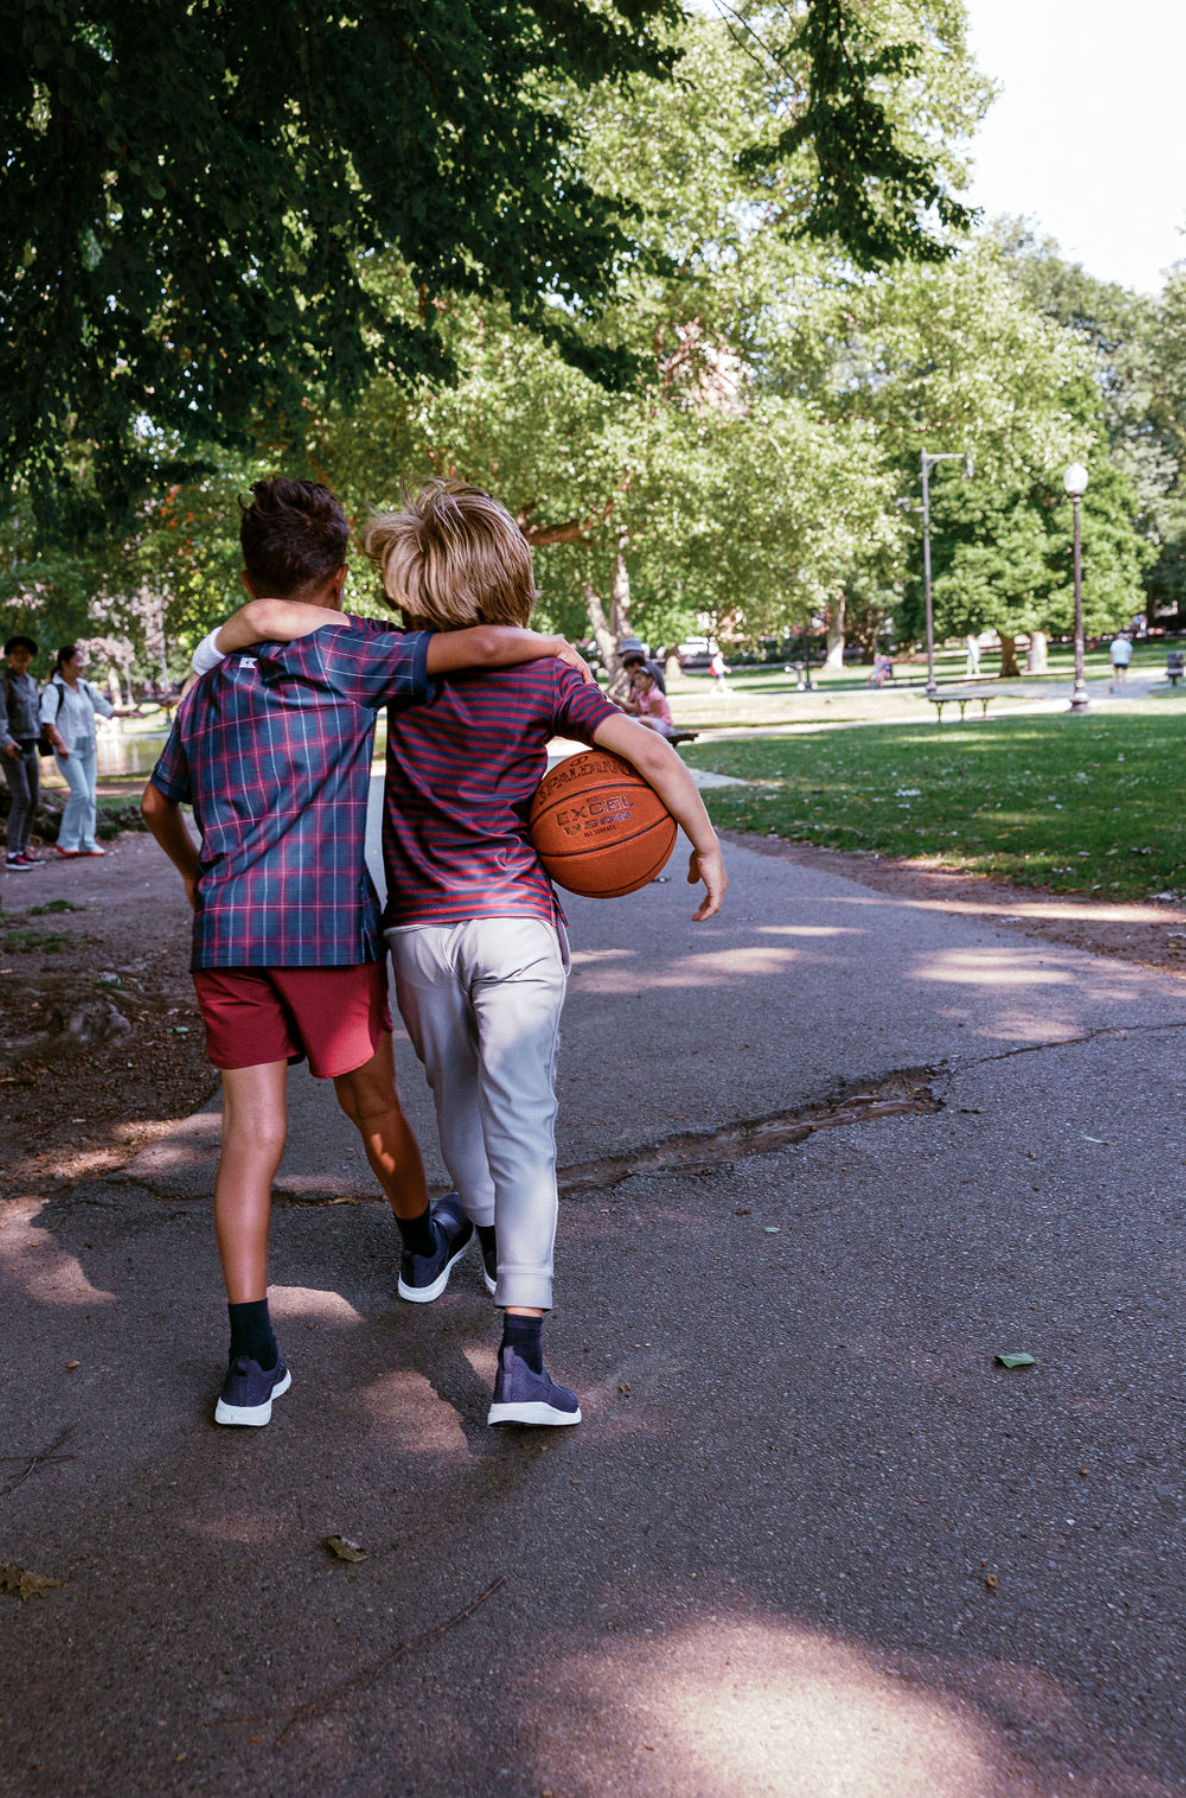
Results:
<point x="647" y="704"/>
<point x="719" y="669"/>
<point x="68" y="707"/>
<point x="631" y="655"/>
<point x="972" y="645"/>
<point x="20" y="728"/>
<point x="1121" y="657"/>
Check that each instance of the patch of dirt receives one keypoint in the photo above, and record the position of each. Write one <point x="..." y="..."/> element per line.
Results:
<point x="1139" y="931"/>
<point x="101" y="1045"/>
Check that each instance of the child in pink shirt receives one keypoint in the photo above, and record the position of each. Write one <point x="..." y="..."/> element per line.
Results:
<point x="648" y="705"/>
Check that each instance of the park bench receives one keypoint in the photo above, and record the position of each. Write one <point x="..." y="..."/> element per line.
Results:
<point x="962" y="700"/>
<point x="1175" y="665"/>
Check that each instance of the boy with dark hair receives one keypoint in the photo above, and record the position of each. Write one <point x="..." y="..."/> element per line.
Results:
<point x="20" y="729"/>
<point x="475" y="930"/>
<point x="273" y="751"/>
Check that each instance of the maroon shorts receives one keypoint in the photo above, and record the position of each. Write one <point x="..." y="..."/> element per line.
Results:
<point x="335" y="1016"/>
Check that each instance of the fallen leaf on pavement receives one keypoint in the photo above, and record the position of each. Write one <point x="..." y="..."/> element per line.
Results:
<point x="345" y="1549"/>
<point x="18" y="1582"/>
<point x="1017" y="1359"/>
<point x="990" y="1580"/>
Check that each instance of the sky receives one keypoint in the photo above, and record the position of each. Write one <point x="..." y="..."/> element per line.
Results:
<point x="1085" y="137"/>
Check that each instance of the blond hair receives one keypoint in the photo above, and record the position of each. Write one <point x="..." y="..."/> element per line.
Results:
<point x="454" y="556"/>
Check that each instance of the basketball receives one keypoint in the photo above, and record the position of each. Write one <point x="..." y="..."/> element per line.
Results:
<point x="598" y="828"/>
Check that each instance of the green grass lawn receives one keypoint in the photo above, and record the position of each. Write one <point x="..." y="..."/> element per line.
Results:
<point x="1084" y="805"/>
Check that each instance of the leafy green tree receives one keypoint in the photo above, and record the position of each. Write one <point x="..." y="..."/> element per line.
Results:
<point x="197" y="198"/>
<point x="194" y="197"/>
<point x="1003" y="558"/>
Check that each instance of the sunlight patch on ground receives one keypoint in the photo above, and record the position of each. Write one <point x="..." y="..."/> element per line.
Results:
<point x="416" y="1421"/>
<point x="722" y="1709"/>
<point x="809" y="930"/>
<point x="981" y="967"/>
<point x="40" y="1268"/>
<point x="312" y="1302"/>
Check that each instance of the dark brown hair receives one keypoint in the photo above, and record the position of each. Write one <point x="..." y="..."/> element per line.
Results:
<point x="65" y="654"/>
<point x="294" y="536"/>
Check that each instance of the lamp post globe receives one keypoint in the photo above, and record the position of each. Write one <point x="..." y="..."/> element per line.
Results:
<point x="1075" y="483"/>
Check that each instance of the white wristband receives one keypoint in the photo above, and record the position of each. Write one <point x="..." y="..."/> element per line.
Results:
<point x="206" y="656"/>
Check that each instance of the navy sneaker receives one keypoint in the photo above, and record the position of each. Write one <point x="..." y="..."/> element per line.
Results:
<point x="490" y="1267"/>
<point x="423" y="1278"/>
<point x="521" y="1396"/>
<point x="247" y="1392"/>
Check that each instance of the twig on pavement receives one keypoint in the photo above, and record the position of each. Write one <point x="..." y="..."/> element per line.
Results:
<point x="39" y="1460"/>
<point x="366" y="1678"/>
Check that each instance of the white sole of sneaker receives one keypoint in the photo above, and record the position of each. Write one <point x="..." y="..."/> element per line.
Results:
<point x="254" y="1416"/>
<point x="491" y="1285"/>
<point x="424" y="1295"/>
<point x="534" y="1412"/>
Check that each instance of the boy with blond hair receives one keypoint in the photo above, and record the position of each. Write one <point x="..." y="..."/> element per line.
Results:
<point x="476" y="933"/>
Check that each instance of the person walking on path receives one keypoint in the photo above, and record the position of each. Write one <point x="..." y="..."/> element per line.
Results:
<point x="68" y="707"/>
<point x="972" y="645"/>
<point x="1121" y="657"/>
<point x="20" y="728"/>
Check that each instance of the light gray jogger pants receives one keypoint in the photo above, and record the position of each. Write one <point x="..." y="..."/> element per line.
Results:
<point x="482" y="1004"/>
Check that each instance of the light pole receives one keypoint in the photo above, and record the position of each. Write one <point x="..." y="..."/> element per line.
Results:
<point x="1075" y="482"/>
<point x="928" y="462"/>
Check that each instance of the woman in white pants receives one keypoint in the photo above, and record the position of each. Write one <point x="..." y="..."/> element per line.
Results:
<point x="68" y="708"/>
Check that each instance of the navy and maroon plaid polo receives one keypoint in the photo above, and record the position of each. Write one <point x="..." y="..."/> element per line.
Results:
<point x="273" y="750"/>
<point x="462" y="770"/>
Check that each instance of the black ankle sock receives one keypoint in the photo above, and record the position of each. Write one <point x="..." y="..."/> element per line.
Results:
<point x="251" y="1334"/>
<point x="486" y="1237"/>
<point x="526" y="1336"/>
<point x="416" y="1233"/>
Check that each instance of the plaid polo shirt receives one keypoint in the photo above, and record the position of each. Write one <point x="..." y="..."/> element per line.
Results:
<point x="273" y="750"/>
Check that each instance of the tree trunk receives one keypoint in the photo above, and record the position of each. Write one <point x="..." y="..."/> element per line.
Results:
<point x="1009" y="666"/>
<point x="835" y="655"/>
<point x="609" y="628"/>
<point x="1035" y="661"/>
<point x="600" y="626"/>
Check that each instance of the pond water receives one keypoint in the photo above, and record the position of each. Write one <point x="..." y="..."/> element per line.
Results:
<point x="135" y="752"/>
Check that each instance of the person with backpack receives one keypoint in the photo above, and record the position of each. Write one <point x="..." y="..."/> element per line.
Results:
<point x="68" y="707"/>
<point x="20" y="728"/>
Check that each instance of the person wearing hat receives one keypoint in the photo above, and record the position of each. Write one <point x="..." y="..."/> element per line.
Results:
<point x="632" y="655"/>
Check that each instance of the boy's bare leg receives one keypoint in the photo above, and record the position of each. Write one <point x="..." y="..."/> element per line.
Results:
<point x="369" y="1098"/>
<point x="254" y="1126"/>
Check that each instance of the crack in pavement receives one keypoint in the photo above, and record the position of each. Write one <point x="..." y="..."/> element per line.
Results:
<point x="1062" y="1042"/>
<point x="901" y="1093"/>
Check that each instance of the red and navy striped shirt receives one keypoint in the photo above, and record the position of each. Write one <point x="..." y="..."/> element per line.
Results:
<point x="461" y="774"/>
<point x="273" y="749"/>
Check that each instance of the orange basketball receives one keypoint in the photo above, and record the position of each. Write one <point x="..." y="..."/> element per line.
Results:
<point x="598" y="828"/>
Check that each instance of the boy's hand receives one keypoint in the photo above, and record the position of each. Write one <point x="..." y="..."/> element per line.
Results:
<point x="574" y="658"/>
<point x="708" y="865"/>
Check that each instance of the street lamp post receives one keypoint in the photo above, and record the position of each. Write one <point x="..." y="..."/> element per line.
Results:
<point x="928" y="462"/>
<point x="1075" y="482"/>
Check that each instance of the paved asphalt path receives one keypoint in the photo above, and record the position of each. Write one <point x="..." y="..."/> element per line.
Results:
<point x="809" y="1542"/>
